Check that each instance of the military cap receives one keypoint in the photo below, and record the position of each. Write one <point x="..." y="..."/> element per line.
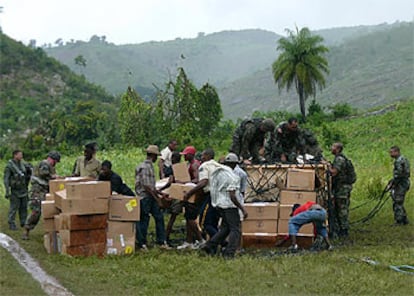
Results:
<point x="54" y="155"/>
<point x="268" y="125"/>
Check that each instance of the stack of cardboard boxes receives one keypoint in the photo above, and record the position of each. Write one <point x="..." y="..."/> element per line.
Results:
<point x="80" y="219"/>
<point x="124" y="211"/>
<point x="260" y="227"/>
<point x="268" y="221"/>
<point x="300" y="188"/>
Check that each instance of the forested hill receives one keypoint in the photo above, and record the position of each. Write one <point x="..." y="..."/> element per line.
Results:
<point x="370" y="65"/>
<point x="43" y="102"/>
<point x="368" y="71"/>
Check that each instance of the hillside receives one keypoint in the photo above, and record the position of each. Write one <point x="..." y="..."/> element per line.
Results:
<point x="215" y="58"/>
<point x="368" y="71"/>
<point x="36" y="90"/>
<point x="369" y="65"/>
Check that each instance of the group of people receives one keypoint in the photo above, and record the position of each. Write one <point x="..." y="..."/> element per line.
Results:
<point x="283" y="143"/>
<point x="219" y="187"/>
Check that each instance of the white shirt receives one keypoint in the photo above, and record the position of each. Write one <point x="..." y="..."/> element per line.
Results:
<point x="243" y="184"/>
<point x="222" y="181"/>
<point x="205" y="171"/>
<point x="166" y="155"/>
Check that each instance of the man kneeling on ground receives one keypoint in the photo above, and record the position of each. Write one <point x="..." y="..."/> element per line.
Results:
<point x="309" y="212"/>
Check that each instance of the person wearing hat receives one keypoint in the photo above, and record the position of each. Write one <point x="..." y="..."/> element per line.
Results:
<point x="232" y="161"/>
<point x="87" y="165"/>
<point x="310" y="212"/>
<point x="42" y="173"/>
<point x="249" y="138"/>
<point x="145" y="188"/>
<point x="192" y="209"/>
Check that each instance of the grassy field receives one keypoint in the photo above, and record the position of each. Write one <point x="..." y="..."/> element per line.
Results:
<point x="341" y="272"/>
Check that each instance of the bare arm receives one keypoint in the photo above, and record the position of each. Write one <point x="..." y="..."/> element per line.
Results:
<point x="237" y="204"/>
<point x="200" y="185"/>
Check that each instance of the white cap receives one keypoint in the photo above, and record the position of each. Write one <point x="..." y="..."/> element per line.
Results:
<point x="231" y="157"/>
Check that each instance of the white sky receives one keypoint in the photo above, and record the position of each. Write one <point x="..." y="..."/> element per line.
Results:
<point x="135" y="21"/>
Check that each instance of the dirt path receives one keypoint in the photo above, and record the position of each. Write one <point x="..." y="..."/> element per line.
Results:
<point x="49" y="284"/>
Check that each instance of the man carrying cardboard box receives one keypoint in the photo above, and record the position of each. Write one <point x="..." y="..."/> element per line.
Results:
<point x="145" y="188"/>
<point x="224" y="189"/>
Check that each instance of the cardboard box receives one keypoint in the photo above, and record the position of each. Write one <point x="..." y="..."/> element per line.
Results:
<point x="284" y="211"/>
<point x="60" y="184"/>
<point x="177" y="191"/>
<point x="84" y="250"/>
<point x="120" y="238"/>
<point x="290" y="197"/>
<point x="181" y="172"/>
<point x="88" y="190"/>
<point x="298" y="179"/>
<point x="48" y="209"/>
<point x="118" y="244"/>
<point x="262" y="210"/>
<point x="80" y="222"/>
<point x="124" y="208"/>
<point x="50" y="196"/>
<point x="283" y="227"/>
<point x="125" y="228"/>
<point x="49" y="225"/>
<point x="259" y="240"/>
<point x="263" y="226"/>
<point x="82" y="237"/>
<point x="80" y="206"/>
<point x="51" y="243"/>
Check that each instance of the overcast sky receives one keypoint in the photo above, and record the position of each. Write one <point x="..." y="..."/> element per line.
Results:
<point x="123" y="21"/>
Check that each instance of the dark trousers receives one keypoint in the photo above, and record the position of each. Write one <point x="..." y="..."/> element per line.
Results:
<point x="17" y="205"/>
<point x="230" y="227"/>
<point x="150" y="206"/>
<point x="208" y="216"/>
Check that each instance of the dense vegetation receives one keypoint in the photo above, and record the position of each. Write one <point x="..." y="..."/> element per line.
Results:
<point x="340" y="272"/>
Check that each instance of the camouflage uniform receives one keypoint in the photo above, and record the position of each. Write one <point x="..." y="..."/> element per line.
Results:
<point x="309" y="144"/>
<point x="400" y="185"/>
<point x="16" y="182"/>
<point x="248" y="138"/>
<point x="42" y="173"/>
<point x="287" y="142"/>
<point x="341" y="192"/>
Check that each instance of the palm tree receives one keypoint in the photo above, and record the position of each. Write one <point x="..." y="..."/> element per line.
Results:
<point x="301" y="62"/>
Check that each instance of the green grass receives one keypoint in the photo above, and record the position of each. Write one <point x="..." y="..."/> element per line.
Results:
<point x="341" y="272"/>
<point x="14" y="280"/>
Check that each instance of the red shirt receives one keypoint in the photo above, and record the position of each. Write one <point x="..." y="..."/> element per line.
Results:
<point x="192" y="167"/>
<point x="304" y="207"/>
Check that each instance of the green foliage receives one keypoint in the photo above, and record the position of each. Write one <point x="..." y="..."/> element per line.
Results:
<point x="301" y="63"/>
<point x="341" y="110"/>
<point x="181" y="112"/>
<point x="332" y="135"/>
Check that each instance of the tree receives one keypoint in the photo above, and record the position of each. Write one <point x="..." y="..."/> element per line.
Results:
<point x="81" y="62"/>
<point x="301" y="62"/>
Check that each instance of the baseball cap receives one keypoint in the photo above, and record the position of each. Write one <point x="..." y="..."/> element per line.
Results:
<point x="231" y="157"/>
<point x="189" y="150"/>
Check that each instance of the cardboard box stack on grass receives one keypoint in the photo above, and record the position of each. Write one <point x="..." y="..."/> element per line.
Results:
<point x="300" y="188"/>
<point x="124" y="212"/>
<point x="80" y="213"/>
<point x="268" y="221"/>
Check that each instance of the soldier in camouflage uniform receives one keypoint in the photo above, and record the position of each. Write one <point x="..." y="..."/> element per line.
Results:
<point x="399" y="185"/>
<point x="249" y="137"/>
<point x="341" y="191"/>
<point x="16" y="183"/>
<point x="285" y="144"/>
<point x="42" y="173"/>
